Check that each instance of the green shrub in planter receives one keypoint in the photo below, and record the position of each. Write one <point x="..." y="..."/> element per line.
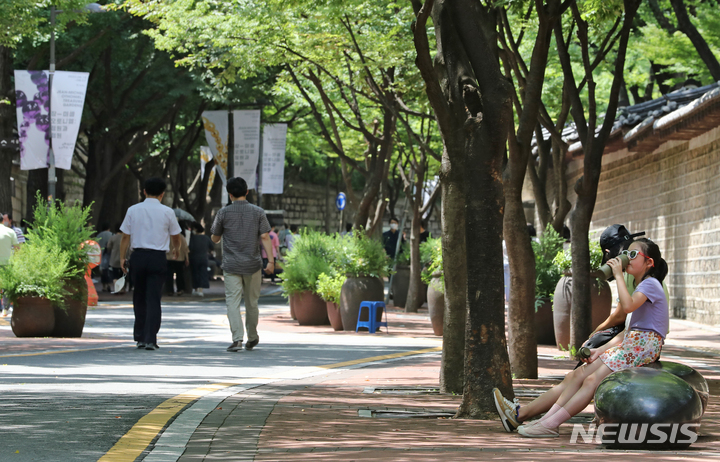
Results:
<point x="313" y="254"/>
<point x="330" y="287"/>
<point x="64" y="227"/>
<point x="403" y="258"/>
<point x="360" y="255"/>
<point x="38" y="269"/>
<point x="431" y="251"/>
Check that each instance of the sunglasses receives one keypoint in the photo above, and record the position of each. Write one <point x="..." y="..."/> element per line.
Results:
<point x="632" y="254"/>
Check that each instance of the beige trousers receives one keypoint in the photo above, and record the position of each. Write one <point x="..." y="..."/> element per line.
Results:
<point x="235" y="286"/>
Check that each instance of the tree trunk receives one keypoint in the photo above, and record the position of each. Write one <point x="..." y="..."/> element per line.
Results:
<point x="414" y="298"/>
<point x="701" y="46"/>
<point x="8" y="148"/>
<point x="452" y="368"/>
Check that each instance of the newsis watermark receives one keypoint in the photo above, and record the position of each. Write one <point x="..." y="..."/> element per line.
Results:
<point x="634" y="433"/>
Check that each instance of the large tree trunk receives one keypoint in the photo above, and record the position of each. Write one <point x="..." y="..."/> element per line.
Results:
<point x="701" y="46"/>
<point x="452" y="368"/>
<point x="8" y="148"/>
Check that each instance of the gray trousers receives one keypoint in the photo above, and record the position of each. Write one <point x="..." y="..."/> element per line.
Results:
<point x="235" y="286"/>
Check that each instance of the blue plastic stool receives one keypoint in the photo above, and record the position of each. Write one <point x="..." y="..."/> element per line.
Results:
<point x="371" y="323"/>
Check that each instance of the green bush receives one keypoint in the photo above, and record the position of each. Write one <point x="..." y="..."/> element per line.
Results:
<point x="64" y="227"/>
<point x="431" y="250"/>
<point x="547" y="273"/>
<point x="360" y="255"/>
<point x="563" y="259"/>
<point x="38" y="270"/>
<point x="313" y="254"/>
<point x="403" y="258"/>
<point x="329" y="287"/>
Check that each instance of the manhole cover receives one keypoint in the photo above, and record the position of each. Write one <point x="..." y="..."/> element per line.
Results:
<point x="389" y="413"/>
<point x="402" y="390"/>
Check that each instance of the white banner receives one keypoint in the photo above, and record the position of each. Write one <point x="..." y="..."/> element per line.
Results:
<point x="273" y="161"/>
<point x="247" y="145"/>
<point x="216" y="134"/>
<point x="33" y="118"/>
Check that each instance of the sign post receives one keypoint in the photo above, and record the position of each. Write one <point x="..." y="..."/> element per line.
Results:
<point x="340" y="203"/>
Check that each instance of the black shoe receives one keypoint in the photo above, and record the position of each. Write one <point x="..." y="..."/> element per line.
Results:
<point x="151" y="346"/>
<point x="236" y="346"/>
<point x="251" y="344"/>
<point x="140" y="345"/>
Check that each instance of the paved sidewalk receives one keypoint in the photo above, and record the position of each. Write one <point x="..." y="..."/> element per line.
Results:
<point x="328" y="417"/>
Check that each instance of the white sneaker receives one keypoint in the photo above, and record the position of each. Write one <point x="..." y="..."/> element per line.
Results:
<point x="538" y="431"/>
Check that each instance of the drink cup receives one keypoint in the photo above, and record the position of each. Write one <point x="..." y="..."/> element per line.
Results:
<point x="606" y="271"/>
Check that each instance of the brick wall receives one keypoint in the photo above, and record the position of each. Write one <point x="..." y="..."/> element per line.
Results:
<point x="673" y="194"/>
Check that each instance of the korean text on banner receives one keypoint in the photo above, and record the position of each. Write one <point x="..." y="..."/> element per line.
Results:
<point x="274" y="137"/>
<point x="33" y="116"/>
<point x="216" y="134"/>
<point x="247" y="144"/>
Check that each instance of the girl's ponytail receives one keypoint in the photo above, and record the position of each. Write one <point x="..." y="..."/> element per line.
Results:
<point x="651" y="249"/>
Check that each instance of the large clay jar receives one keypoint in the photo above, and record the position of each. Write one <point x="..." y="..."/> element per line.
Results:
<point x="436" y="305"/>
<point x="310" y="309"/>
<point x="33" y="317"/>
<point x="291" y="302"/>
<point x="400" y="286"/>
<point x="333" y="313"/>
<point x="70" y="321"/>
<point x="356" y="290"/>
<point x="601" y="300"/>
<point x="544" y="328"/>
<point x="646" y="396"/>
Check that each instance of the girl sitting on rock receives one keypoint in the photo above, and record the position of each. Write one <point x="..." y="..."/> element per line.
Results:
<point x="641" y="345"/>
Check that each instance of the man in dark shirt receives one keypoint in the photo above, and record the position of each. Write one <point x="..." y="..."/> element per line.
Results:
<point x="390" y="237"/>
<point x="242" y="226"/>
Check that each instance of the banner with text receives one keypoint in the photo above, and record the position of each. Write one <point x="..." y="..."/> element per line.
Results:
<point x="246" y="144"/>
<point x="216" y="134"/>
<point x="34" y="120"/>
<point x="273" y="160"/>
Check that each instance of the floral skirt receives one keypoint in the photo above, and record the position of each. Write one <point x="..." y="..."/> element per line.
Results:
<point x="638" y="348"/>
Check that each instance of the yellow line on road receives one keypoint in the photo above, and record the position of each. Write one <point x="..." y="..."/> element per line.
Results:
<point x="137" y="439"/>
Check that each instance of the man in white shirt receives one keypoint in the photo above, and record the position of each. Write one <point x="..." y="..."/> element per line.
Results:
<point x="151" y="226"/>
<point x="8" y="244"/>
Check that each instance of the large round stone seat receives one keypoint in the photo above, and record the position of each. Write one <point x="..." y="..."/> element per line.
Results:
<point x="688" y="374"/>
<point x="645" y="396"/>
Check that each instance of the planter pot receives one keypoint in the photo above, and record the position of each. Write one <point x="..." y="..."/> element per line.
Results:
<point x="356" y="290"/>
<point x="333" y="313"/>
<point x="544" y="328"/>
<point x="601" y="306"/>
<point x="71" y="321"/>
<point x="291" y="302"/>
<point x="436" y="306"/>
<point x="400" y="285"/>
<point x="310" y="309"/>
<point x="33" y="317"/>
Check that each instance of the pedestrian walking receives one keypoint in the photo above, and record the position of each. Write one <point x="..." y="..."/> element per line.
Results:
<point x="178" y="261"/>
<point x="103" y="237"/>
<point x="242" y="228"/>
<point x="200" y="248"/>
<point x="8" y="243"/>
<point x="149" y="226"/>
<point x="8" y="221"/>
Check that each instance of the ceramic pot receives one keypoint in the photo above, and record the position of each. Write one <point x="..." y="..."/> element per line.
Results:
<point x="436" y="306"/>
<point x="310" y="309"/>
<point x="69" y="322"/>
<point x="333" y="313"/>
<point x="601" y="300"/>
<point x="356" y="290"/>
<point x="33" y="317"/>
<point x="544" y="328"/>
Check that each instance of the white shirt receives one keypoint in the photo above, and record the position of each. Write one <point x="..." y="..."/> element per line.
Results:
<point x="150" y="224"/>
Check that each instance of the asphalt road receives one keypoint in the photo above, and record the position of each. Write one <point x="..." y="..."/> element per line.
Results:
<point x="74" y="406"/>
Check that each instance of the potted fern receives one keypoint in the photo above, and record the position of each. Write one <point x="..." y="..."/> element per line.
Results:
<point x="35" y="281"/>
<point x="66" y="227"/>
<point x="547" y="275"/>
<point x="312" y="255"/>
<point x="329" y="289"/>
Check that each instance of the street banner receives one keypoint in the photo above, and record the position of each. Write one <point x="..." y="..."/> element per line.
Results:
<point x="273" y="160"/>
<point x="216" y="134"/>
<point x="247" y="144"/>
<point x="205" y="157"/>
<point x="34" y="119"/>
